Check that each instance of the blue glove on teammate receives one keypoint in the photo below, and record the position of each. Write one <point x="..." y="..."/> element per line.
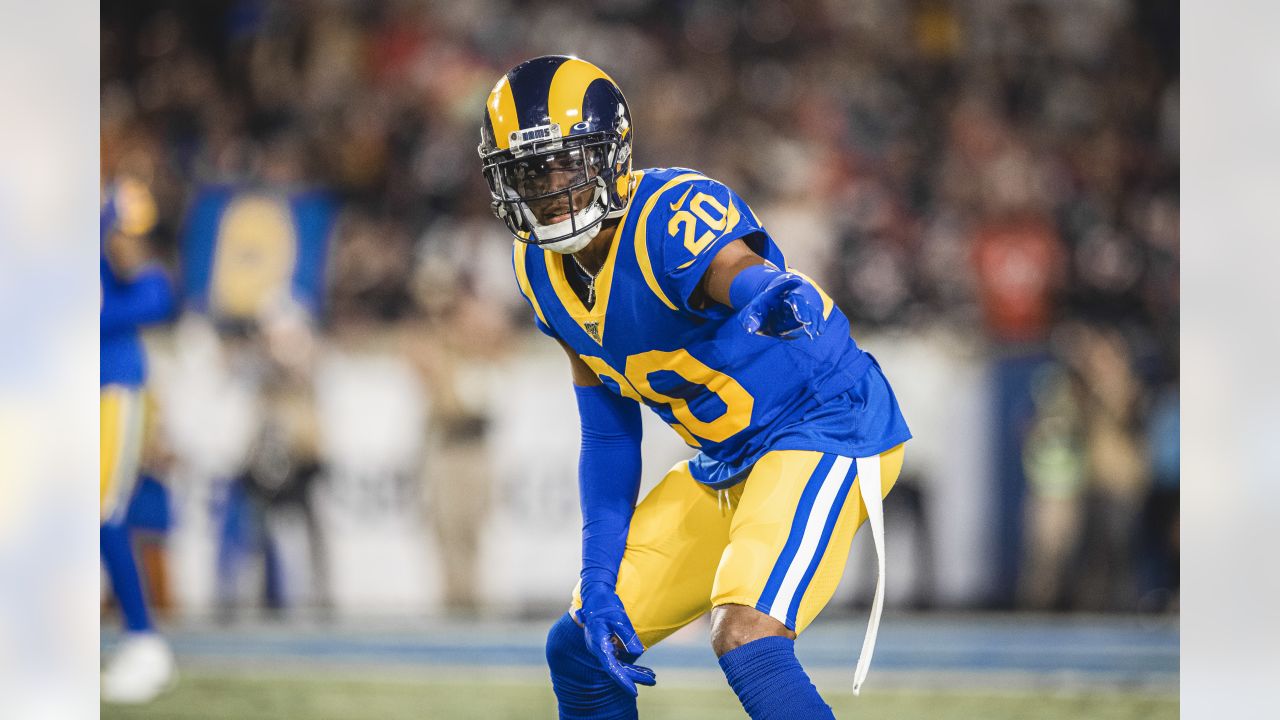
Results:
<point x="776" y="303"/>
<point x="604" y="619"/>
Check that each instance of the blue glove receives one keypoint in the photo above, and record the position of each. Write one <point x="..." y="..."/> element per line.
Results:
<point x="776" y="303"/>
<point x="604" y="619"/>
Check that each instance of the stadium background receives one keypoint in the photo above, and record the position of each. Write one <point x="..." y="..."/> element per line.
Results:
<point x="364" y="458"/>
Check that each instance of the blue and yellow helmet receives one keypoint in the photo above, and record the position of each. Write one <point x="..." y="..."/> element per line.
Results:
<point x="555" y="143"/>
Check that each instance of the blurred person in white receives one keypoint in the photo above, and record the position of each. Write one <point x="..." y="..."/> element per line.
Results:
<point x="688" y="310"/>
<point x="135" y="293"/>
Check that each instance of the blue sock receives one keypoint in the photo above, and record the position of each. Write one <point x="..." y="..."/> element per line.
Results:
<point x="583" y="688"/>
<point x="117" y="556"/>
<point x="769" y="681"/>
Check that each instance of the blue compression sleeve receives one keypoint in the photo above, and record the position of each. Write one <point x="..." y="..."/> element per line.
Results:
<point x="608" y="482"/>
<point x="750" y="282"/>
<point x="146" y="299"/>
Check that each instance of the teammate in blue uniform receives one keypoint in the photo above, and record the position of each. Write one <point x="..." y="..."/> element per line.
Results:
<point x="135" y="293"/>
<point x="664" y="289"/>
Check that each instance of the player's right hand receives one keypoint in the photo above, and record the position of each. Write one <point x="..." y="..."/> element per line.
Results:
<point x="789" y="307"/>
<point x="603" y="620"/>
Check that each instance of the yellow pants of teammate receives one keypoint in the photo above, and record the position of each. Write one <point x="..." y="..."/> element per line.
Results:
<point x="120" y="447"/>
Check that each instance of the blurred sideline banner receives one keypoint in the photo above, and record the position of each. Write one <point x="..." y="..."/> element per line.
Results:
<point x="246" y="247"/>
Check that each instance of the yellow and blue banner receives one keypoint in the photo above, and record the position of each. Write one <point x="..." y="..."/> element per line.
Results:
<point x="244" y="248"/>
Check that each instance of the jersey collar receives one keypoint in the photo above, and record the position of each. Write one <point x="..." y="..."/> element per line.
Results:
<point x="591" y="320"/>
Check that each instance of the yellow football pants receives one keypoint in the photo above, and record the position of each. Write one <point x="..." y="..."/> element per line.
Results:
<point x="120" y="448"/>
<point x="778" y="542"/>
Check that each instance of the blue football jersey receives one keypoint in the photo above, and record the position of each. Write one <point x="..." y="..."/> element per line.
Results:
<point x="650" y="337"/>
<point x="127" y="305"/>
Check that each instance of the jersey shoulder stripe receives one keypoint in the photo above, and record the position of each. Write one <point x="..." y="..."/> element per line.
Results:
<point x="685" y="220"/>
<point x="648" y="219"/>
<point x="518" y="261"/>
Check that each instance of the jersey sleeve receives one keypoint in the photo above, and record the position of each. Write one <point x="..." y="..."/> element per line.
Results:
<point x="697" y="219"/>
<point x="145" y="299"/>
<point x="544" y="328"/>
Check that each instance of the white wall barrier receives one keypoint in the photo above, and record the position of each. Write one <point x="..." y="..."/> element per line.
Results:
<point x="373" y="426"/>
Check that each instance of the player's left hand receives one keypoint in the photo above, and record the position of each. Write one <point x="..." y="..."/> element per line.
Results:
<point x="789" y="307"/>
<point x="604" y="619"/>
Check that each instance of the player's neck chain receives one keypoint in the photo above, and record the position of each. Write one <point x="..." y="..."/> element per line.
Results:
<point x="590" y="277"/>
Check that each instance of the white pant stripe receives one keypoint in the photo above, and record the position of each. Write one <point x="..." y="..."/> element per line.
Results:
<point x="818" y="515"/>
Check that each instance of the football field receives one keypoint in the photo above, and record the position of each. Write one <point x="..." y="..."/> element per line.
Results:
<point x="985" y="667"/>
<point x="264" y="697"/>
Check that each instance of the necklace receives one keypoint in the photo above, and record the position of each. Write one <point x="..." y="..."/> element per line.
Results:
<point x="591" y="280"/>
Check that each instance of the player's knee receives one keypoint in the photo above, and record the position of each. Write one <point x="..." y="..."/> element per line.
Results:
<point x="565" y="645"/>
<point x="733" y="626"/>
<point x="583" y="689"/>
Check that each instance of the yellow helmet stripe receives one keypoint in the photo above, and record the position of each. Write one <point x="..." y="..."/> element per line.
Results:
<point x="502" y="113"/>
<point x="568" y="87"/>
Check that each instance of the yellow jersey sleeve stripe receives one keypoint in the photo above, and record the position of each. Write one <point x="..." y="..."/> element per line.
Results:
<point x="502" y="113"/>
<point x="568" y="89"/>
<point x="642" y="247"/>
<point x="522" y="279"/>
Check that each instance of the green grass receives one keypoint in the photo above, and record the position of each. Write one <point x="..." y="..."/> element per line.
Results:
<point x="326" y="697"/>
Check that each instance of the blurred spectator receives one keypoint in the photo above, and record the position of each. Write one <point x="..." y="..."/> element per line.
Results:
<point x="1118" y="469"/>
<point x="1160" y="532"/>
<point x="274" y="491"/>
<point x="1053" y="459"/>
<point x="459" y="285"/>
<point x="1019" y="270"/>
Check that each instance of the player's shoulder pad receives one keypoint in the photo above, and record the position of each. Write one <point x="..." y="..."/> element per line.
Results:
<point x="684" y="216"/>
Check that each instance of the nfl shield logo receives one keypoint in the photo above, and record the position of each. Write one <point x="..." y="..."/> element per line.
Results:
<point x="593" y="329"/>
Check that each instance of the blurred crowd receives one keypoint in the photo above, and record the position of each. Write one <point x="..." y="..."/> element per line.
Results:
<point x="1006" y="169"/>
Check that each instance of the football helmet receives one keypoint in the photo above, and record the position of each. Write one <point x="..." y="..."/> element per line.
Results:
<point x="555" y="144"/>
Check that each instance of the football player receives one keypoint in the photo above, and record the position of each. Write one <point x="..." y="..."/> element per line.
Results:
<point x="664" y="289"/>
<point x="135" y="293"/>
